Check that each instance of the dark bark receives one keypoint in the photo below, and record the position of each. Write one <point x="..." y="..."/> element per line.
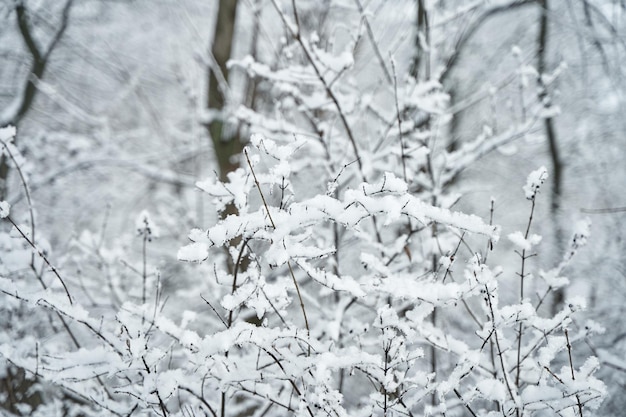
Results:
<point x="557" y="164"/>
<point x="226" y="142"/>
<point x="421" y="62"/>
<point x="551" y="136"/>
<point x="40" y="57"/>
<point x="19" y="390"/>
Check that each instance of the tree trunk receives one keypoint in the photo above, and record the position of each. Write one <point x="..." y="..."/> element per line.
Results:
<point x="550" y="132"/>
<point x="420" y="65"/>
<point x="226" y="141"/>
<point x="39" y="56"/>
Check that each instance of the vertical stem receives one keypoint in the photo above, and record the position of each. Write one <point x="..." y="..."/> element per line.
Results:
<point x="229" y="324"/>
<point x="571" y="366"/>
<point x="385" y="394"/>
<point x="520" y="329"/>
<point x="433" y="356"/>
<point x="144" y="275"/>
<point x="489" y="242"/>
<point x="395" y="90"/>
<point x="499" y="348"/>
<point x="144" y="272"/>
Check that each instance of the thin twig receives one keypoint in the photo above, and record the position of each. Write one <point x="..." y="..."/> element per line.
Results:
<point x="395" y="90"/>
<point x="500" y="352"/>
<point x="571" y="366"/>
<point x="603" y="210"/>
<point x="370" y="35"/>
<point x="235" y="275"/>
<point x="35" y="248"/>
<point x="293" y="277"/>
<point x="489" y="242"/>
<point x="144" y="271"/>
<point x="20" y="173"/>
<point x="458" y="394"/>
<point x="201" y="398"/>
<point x="215" y="311"/>
<point x="522" y="275"/>
<point x="291" y="381"/>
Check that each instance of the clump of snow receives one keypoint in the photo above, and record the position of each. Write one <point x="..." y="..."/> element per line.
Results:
<point x="389" y="183"/>
<point x="4" y="209"/>
<point x="548" y="352"/>
<point x="553" y="279"/>
<point x="235" y="191"/>
<point x="534" y="396"/>
<point x="7" y="133"/>
<point x="593" y="327"/>
<point x="445" y="262"/>
<point x="534" y="181"/>
<point x="195" y="252"/>
<point x="188" y="317"/>
<point x="577" y="303"/>
<point x="492" y="389"/>
<point x="524" y="243"/>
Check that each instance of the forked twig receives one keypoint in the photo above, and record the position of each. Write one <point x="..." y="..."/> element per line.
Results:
<point x="571" y="366"/>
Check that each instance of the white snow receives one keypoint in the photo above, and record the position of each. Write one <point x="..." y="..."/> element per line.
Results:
<point x="7" y="133"/>
<point x="195" y="252"/>
<point x="534" y="181"/>
<point x="4" y="209"/>
<point x="517" y="238"/>
<point x="492" y="389"/>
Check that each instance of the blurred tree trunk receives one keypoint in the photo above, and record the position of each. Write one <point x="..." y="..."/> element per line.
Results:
<point x="226" y="140"/>
<point x="557" y="164"/>
<point x="420" y="71"/>
<point x="39" y="56"/>
<point x="420" y="65"/>
<point x="550" y="132"/>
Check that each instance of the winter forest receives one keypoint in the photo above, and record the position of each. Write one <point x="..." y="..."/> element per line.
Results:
<point x="234" y="208"/>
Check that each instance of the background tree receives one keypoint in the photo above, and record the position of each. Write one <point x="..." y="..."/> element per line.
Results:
<point x="225" y="138"/>
<point x="39" y="55"/>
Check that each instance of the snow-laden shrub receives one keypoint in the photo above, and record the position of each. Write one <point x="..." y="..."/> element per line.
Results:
<point x="343" y="282"/>
<point x="364" y="301"/>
